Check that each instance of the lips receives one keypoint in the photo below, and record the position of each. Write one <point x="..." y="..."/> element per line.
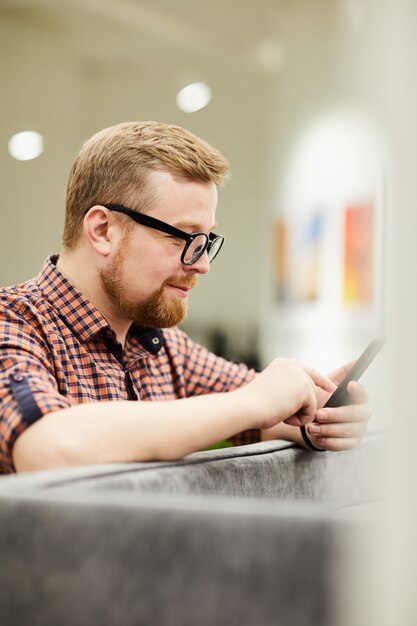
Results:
<point x="180" y="283"/>
<point x="181" y="287"/>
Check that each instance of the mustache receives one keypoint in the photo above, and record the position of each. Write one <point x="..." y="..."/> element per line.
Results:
<point x="189" y="282"/>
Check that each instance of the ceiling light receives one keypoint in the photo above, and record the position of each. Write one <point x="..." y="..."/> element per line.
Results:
<point x="193" y="97"/>
<point x="26" y="145"/>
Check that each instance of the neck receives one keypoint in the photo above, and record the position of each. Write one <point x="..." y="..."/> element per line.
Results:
<point x="81" y="271"/>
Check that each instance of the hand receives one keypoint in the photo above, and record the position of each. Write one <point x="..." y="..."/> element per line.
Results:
<point x="285" y="390"/>
<point x="340" y="428"/>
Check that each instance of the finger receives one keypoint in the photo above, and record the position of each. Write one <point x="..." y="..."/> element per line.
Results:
<point x="335" y="444"/>
<point x="338" y="375"/>
<point x="320" y="380"/>
<point x="344" y="430"/>
<point x="349" y="413"/>
<point x="304" y="416"/>
<point x="300" y="419"/>
<point x="357" y="391"/>
<point x="294" y="420"/>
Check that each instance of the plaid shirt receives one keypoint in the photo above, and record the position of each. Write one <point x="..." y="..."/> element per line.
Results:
<point x="57" y="350"/>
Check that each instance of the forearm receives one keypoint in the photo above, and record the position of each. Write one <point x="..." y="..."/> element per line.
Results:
<point x="283" y="431"/>
<point x="107" y="432"/>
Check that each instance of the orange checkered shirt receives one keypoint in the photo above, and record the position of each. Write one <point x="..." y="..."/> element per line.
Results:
<point x="57" y="350"/>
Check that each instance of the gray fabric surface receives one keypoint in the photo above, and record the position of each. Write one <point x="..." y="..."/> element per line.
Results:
<point x="268" y="470"/>
<point x="84" y="559"/>
<point x="57" y="477"/>
<point x="248" y="535"/>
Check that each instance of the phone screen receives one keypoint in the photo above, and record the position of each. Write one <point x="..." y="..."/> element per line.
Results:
<point x="341" y="396"/>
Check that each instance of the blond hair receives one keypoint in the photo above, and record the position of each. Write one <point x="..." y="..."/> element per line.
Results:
<point x="114" y="165"/>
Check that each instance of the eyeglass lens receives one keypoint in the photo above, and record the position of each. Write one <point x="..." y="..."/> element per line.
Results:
<point x="195" y="249"/>
<point x="199" y="245"/>
<point x="214" y="247"/>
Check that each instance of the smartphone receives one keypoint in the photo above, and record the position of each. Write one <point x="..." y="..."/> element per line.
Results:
<point x="341" y="396"/>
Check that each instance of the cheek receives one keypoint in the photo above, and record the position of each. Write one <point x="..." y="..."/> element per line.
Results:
<point x="146" y="263"/>
<point x="147" y="251"/>
<point x="142" y="276"/>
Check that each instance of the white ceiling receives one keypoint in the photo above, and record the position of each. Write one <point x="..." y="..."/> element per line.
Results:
<point x="234" y="33"/>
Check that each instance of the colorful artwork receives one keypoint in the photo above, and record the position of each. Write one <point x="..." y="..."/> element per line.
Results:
<point x="358" y="254"/>
<point x="318" y="254"/>
<point x="281" y="259"/>
<point x="308" y="257"/>
<point x="298" y="252"/>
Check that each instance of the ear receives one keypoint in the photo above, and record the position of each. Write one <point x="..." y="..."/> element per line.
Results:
<point x="100" y="229"/>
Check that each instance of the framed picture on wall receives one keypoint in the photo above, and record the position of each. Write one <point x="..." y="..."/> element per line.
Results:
<point x="359" y="254"/>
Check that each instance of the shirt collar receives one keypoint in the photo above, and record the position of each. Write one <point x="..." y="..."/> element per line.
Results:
<point x="80" y="314"/>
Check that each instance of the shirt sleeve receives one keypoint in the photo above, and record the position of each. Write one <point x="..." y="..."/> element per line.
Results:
<point x="205" y="372"/>
<point x="28" y="389"/>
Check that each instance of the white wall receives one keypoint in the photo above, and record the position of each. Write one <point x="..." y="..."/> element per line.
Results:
<point x="363" y="54"/>
<point x="68" y="75"/>
<point x="326" y="150"/>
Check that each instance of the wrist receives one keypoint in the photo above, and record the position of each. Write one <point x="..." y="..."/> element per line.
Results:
<point x="283" y="431"/>
<point x="308" y="441"/>
<point x="250" y="409"/>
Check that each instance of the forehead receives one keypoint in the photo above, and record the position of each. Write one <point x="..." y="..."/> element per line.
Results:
<point x="183" y="202"/>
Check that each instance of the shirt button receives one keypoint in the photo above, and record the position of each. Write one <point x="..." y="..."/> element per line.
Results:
<point x="155" y="341"/>
<point x="17" y="378"/>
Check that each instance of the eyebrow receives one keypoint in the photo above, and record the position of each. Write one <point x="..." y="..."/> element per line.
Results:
<point x="194" y="227"/>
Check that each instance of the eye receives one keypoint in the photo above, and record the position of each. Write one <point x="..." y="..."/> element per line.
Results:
<point x="175" y="240"/>
<point x="198" y="250"/>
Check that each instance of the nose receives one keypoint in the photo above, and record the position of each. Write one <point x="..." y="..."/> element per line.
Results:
<point x="202" y="266"/>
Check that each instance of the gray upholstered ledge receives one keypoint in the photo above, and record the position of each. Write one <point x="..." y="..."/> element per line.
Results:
<point x="249" y="535"/>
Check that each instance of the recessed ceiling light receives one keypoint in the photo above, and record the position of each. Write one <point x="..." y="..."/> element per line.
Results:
<point x="193" y="97"/>
<point x="26" y="145"/>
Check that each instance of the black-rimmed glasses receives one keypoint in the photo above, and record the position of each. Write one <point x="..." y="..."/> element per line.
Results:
<point x="196" y="244"/>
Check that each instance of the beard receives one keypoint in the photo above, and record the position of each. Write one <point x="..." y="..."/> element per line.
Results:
<point x="156" y="311"/>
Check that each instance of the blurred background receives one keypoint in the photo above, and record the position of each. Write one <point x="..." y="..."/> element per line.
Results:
<point x="313" y="102"/>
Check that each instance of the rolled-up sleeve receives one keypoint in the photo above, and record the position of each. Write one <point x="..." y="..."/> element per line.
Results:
<point x="28" y="388"/>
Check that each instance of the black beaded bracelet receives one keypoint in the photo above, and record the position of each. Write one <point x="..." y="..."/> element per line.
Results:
<point x="307" y="440"/>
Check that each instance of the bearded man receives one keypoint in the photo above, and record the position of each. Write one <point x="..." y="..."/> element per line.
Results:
<point x="93" y="368"/>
